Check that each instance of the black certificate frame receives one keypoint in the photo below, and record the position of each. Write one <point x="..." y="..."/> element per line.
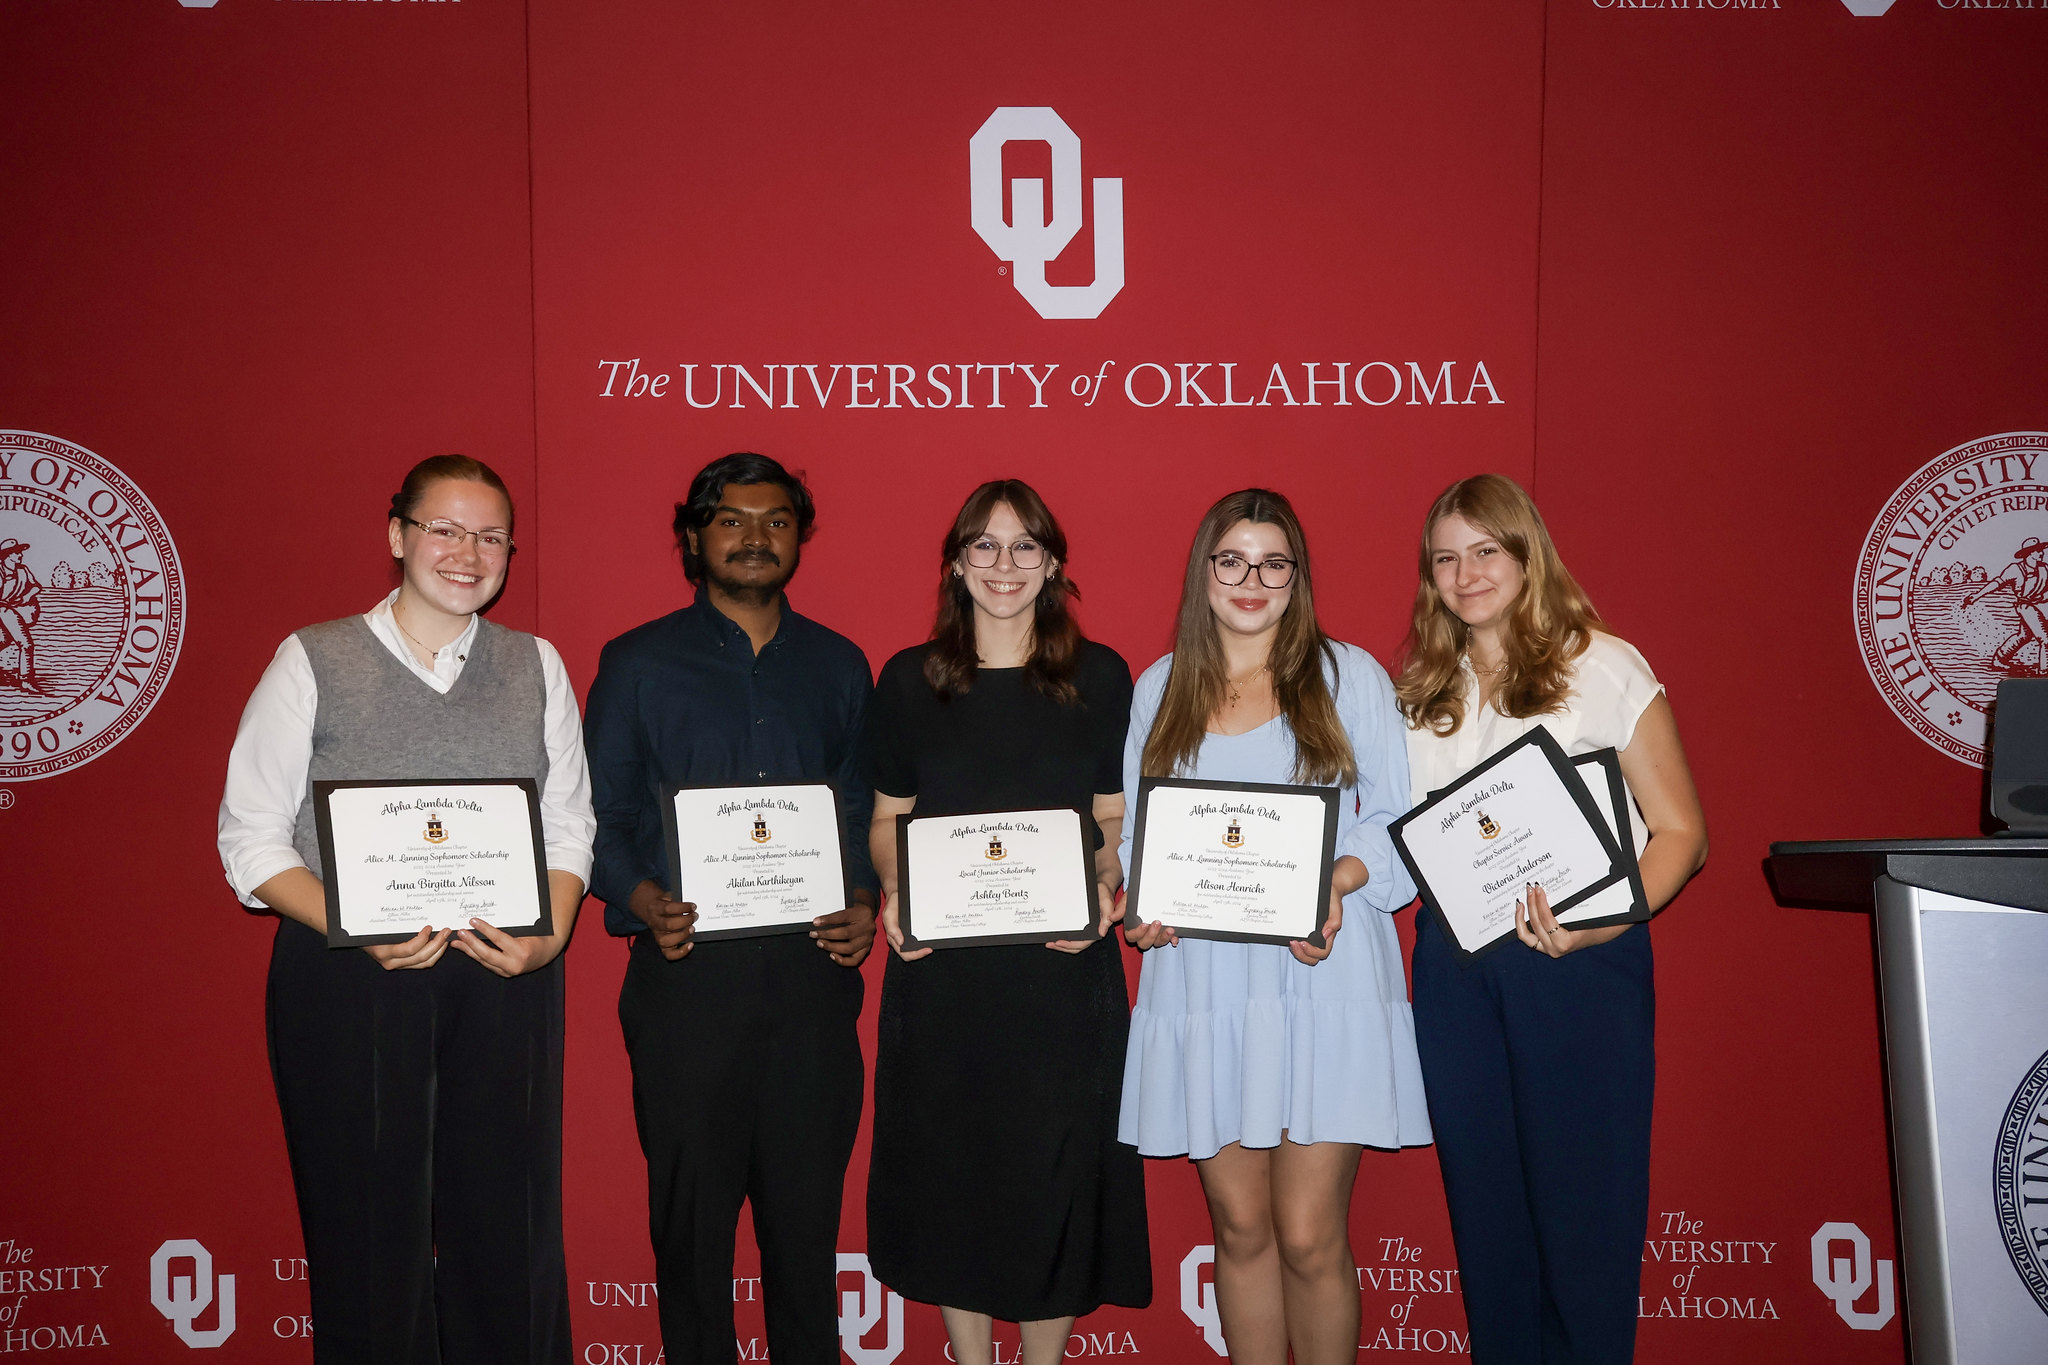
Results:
<point x="1574" y="785"/>
<point x="1608" y="761"/>
<point x="323" y="829"/>
<point x="671" y="835"/>
<point x="1084" y="859"/>
<point x="1327" y="795"/>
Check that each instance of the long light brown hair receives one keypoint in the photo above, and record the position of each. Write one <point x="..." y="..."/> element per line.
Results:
<point x="1549" y="624"/>
<point x="954" y="661"/>
<point x="1195" y="685"/>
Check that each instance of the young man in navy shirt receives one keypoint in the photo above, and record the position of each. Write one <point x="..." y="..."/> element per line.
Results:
<point x="747" y="1073"/>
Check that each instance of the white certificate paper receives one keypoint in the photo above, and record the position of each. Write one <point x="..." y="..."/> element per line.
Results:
<point x="1623" y="902"/>
<point x="401" y="856"/>
<point x="1524" y="815"/>
<point x="1022" y="876"/>
<point x="756" y="860"/>
<point x="1245" y="862"/>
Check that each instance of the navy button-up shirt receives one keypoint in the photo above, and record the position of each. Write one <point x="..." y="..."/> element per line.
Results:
<point x="685" y="700"/>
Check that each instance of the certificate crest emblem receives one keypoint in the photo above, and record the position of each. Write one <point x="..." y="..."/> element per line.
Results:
<point x="92" y="606"/>
<point x="1952" y="588"/>
<point x="996" y="851"/>
<point x="435" y="834"/>
<point x="1234" y="836"/>
<point x="761" y="833"/>
<point x="2022" y="1215"/>
<point x="1487" y="828"/>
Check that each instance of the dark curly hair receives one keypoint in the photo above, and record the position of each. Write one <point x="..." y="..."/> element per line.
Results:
<point x="694" y="513"/>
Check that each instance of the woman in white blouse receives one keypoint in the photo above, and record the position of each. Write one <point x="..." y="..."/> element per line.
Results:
<point x="420" y="1088"/>
<point x="1539" y="1057"/>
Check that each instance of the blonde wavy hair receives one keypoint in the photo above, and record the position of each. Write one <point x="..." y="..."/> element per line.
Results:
<point x="1549" y="625"/>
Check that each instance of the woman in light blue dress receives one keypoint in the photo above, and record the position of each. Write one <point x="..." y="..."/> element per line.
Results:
<point x="1271" y="1067"/>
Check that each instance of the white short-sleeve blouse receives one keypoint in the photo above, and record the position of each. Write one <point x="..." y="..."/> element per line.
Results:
<point x="1611" y="688"/>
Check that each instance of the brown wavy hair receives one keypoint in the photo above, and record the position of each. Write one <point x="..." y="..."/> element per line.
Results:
<point x="1195" y="684"/>
<point x="953" y="661"/>
<point x="1549" y="625"/>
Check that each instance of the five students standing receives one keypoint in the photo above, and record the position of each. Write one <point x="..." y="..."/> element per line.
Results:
<point x="1015" y="1088"/>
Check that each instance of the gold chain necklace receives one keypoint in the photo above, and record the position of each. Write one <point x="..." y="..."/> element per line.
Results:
<point x="432" y="654"/>
<point x="1232" y="686"/>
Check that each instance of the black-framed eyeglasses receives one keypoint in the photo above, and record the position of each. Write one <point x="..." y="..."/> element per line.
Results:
<point x="1024" y="554"/>
<point x="1231" y="570"/>
<point x="489" y="544"/>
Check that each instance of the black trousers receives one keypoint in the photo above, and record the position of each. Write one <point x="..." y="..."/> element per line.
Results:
<point x="423" y="1115"/>
<point x="747" y="1085"/>
<point x="1540" y="1074"/>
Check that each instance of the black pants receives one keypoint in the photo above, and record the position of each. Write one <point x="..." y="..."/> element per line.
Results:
<point x="747" y="1086"/>
<point x="1540" y="1075"/>
<point x="423" y="1114"/>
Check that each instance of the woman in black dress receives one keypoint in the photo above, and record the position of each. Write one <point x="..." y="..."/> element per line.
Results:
<point x="996" y="1187"/>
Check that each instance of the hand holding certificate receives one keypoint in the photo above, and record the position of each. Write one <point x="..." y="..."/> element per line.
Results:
<point x="1247" y="862"/>
<point x="755" y="860"/>
<point x="1522" y="817"/>
<point x="1000" y="877"/>
<point x="402" y="855"/>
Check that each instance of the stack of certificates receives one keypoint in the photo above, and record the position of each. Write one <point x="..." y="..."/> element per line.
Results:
<point x="1526" y="816"/>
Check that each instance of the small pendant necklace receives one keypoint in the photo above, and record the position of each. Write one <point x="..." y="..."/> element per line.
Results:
<point x="432" y="654"/>
<point x="1235" y="688"/>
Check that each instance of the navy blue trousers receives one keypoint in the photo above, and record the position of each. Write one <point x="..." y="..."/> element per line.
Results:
<point x="1540" y="1074"/>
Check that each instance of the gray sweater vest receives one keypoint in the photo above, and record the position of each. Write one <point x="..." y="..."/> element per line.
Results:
<point x="376" y="719"/>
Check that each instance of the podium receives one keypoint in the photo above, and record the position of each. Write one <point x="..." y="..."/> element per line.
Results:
<point x="1962" y="946"/>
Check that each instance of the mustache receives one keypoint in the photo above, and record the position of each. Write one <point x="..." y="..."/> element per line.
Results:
<point x="753" y="557"/>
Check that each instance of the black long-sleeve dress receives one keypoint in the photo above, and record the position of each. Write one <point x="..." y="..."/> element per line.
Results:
<point x="996" y="1182"/>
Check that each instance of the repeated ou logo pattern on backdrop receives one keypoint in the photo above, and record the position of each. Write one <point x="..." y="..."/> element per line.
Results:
<point x="184" y="1298"/>
<point x="1033" y="239"/>
<point x="860" y="1312"/>
<point x="1198" y="1297"/>
<point x="1846" y="1279"/>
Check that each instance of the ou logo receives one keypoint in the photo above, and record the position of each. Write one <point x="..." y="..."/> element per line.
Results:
<point x="858" y="1314"/>
<point x="1845" y="1279"/>
<point x="184" y="1297"/>
<point x="1032" y="240"/>
<point x="1198" y="1297"/>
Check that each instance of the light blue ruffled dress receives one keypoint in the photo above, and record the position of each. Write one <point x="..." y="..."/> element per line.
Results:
<point x="1238" y="1042"/>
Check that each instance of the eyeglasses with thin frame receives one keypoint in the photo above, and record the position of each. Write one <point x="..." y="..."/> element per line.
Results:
<point x="1231" y="570"/>
<point x="1024" y="554"/>
<point x="489" y="544"/>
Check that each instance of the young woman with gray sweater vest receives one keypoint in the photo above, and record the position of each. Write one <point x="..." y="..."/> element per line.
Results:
<point x="421" y="1088"/>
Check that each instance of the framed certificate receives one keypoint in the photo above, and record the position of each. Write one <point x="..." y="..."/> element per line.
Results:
<point x="755" y="860"/>
<point x="1248" y="862"/>
<point x="1623" y="902"/>
<point x="1523" y="815"/>
<point x="401" y="855"/>
<point x="1020" y="876"/>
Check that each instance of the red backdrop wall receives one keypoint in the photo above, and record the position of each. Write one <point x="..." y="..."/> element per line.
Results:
<point x="1712" y="279"/>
